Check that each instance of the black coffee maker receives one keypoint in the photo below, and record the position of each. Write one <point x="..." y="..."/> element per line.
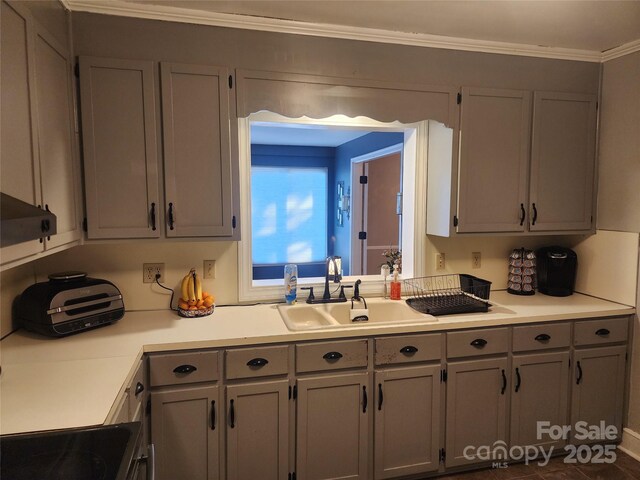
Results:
<point x="556" y="271"/>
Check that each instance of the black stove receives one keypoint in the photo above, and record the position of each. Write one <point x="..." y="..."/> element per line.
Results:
<point x="99" y="453"/>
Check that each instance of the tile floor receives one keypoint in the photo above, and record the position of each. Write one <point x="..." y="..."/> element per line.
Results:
<point x="624" y="468"/>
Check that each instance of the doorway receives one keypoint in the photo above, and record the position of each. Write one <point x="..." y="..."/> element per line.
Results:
<point x="377" y="208"/>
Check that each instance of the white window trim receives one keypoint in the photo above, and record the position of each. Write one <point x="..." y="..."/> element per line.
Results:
<point x="415" y="159"/>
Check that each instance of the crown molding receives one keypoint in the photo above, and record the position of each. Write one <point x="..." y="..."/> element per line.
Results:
<point x="621" y="51"/>
<point x="200" y="17"/>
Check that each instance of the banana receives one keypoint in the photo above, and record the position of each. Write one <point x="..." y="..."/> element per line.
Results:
<point x="191" y="287"/>
<point x="198" y="286"/>
<point x="185" y="287"/>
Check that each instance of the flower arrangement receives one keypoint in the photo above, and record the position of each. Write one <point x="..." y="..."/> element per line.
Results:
<point x="393" y="258"/>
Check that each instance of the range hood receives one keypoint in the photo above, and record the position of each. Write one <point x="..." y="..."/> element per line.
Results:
<point x="21" y="221"/>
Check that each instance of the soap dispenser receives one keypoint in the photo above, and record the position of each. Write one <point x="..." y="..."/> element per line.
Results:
<point x="396" y="286"/>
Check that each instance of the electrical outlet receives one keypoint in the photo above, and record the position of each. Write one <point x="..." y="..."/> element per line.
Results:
<point x="440" y="261"/>
<point x="149" y="271"/>
<point x="476" y="259"/>
<point x="209" y="269"/>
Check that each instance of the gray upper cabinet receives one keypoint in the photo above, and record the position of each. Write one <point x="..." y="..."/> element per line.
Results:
<point x="494" y="155"/>
<point x="59" y="171"/>
<point x="18" y="149"/>
<point x="38" y="160"/>
<point x="562" y="161"/>
<point x="119" y="141"/>
<point x="197" y="158"/>
<point x="518" y="172"/>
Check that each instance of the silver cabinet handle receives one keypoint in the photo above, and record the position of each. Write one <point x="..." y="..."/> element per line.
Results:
<point x="151" y="462"/>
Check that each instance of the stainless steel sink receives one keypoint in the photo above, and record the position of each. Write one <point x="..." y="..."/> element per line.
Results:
<point x="336" y="315"/>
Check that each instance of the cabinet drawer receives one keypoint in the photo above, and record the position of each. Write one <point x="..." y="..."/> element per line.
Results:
<point x="408" y="348"/>
<point x="136" y="393"/>
<point x="541" y="337"/>
<point x="257" y="362"/>
<point x="477" y="342"/>
<point x="595" y="332"/>
<point x="180" y="368"/>
<point x="313" y="357"/>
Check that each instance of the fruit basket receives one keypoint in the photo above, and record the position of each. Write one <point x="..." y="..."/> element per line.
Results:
<point x="194" y="302"/>
<point x="196" y="313"/>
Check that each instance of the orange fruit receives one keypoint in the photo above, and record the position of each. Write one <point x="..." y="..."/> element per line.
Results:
<point x="183" y="305"/>
<point x="208" y="301"/>
<point x="199" y="303"/>
<point x="193" y="308"/>
<point x="202" y="307"/>
<point x="192" y="303"/>
<point x="205" y="294"/>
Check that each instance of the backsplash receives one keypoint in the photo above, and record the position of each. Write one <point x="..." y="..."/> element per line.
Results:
<point x="607" y="266"/>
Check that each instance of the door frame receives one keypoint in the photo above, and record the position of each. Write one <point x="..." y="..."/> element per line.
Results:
<point x="357" y="248"/>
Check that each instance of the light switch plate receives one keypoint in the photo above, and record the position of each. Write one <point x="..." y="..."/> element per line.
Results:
<point x="209" y="269"/>
<point x="476" y="260"/>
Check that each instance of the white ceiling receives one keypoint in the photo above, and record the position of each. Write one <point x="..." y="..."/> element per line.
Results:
<point x="597" y="25"/>
<point x="264" y="133"/>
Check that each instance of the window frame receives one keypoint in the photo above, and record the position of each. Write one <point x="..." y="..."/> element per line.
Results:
<point x="414" y="212"/>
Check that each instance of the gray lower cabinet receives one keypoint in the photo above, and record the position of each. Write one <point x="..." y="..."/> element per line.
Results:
<point x="598" y="387"/>
<point x="333" y="427"/>
<point x="539" y="386"/>
<point x="477" y="394"/>
<point x="407" y="421"/>
<point x="185" y="428"/>
<point x="258" y="431"/>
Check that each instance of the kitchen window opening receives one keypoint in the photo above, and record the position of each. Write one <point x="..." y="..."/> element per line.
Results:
<point x="308" y="188"/>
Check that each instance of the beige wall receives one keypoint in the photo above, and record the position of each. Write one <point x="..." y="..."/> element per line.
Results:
<point x="122" y="265"/>
<point x="619" y="171"/>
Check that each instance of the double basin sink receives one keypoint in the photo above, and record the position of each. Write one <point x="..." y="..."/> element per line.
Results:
<point x="336" y="315"/>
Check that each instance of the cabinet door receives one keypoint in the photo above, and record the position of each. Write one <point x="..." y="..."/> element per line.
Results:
<point x="598" y="387"/>
<point x="562" y="161"/>
<point x="540" y="385"/>
<point x="185" y="432"/>
<point x="58" y="170"/>
<point x="333" y="427"/>
<point x="407" y="421"/>
<point x="197" y="157"/>
<point x="494" y="156"/>
<point x="119" y="142"/>
<point x="258" y="431"/>
<point x="18" y="151"/>
<point x="477" y="395"/>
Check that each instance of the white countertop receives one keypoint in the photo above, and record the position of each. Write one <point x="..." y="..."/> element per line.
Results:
<point x="68" y="382"/>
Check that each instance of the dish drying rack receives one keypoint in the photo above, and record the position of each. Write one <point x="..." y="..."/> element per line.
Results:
<point x="448" y="294"/>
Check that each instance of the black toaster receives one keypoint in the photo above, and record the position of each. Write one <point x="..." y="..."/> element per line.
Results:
<point x="69" y="302"/>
